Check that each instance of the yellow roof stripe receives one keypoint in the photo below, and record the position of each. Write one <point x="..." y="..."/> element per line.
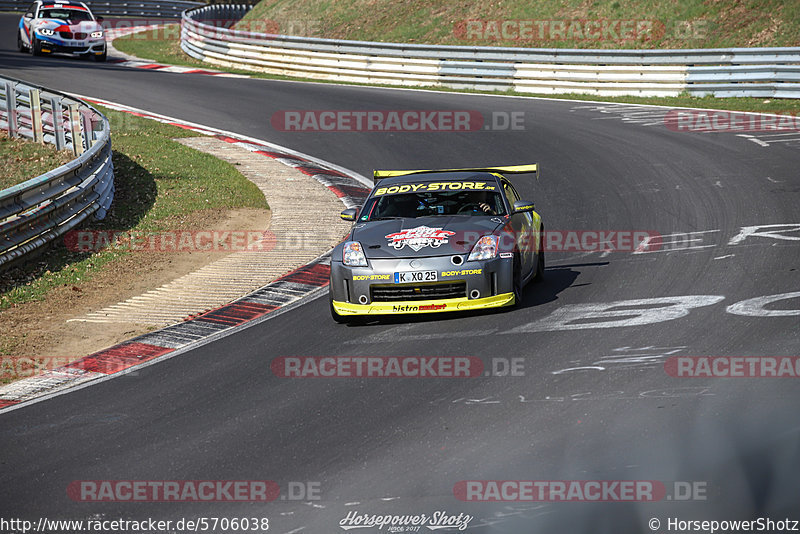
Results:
<point x="508" y="169"/>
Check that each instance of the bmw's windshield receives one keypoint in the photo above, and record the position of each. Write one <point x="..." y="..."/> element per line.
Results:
<point x="68" y="15"/>
<point x="434" y="203"/>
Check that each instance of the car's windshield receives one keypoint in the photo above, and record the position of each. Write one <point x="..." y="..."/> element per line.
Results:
<point x="71" y="15"/>
<point x="435" y="203"/>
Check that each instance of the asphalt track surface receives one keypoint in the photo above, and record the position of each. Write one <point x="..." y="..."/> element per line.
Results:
<point x="399" y="446"/>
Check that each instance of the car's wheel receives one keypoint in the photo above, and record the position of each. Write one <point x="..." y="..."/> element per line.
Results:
<point x="517" y="280"/>
<point x="540" y="263"/>
<point x="101" y="57"/>
<point x="36" y="49"/>
<point x="20" y="44"/>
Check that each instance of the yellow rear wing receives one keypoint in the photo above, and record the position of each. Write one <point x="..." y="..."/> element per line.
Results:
<point x="532" y="168"/>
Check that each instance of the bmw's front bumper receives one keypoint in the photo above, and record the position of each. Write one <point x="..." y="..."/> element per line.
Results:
<point x="74" y="46"/>
<point x="468" y="285"/>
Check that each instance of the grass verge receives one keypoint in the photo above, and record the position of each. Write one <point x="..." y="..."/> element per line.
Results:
<point x="161" y="45"/>
<point x="23" y="159"/>
<point x="649" y="24"/>
<point x="161" y="185"/>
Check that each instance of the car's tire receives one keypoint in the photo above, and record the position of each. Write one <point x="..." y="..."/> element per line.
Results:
<point x="517" y="280"/>
<point x="20" y="45"/>
<point x="101" y="57"/>
<point x="36" y="50"/>
<point x="539" y="276"/>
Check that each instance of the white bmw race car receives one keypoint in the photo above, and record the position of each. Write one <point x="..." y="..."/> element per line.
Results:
<point x="65" y="27"/>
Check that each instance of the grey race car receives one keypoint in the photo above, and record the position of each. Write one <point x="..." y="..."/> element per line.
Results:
<point x="437" y="241"/>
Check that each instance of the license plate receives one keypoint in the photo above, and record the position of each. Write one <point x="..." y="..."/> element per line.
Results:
<point x="403" y="277"/>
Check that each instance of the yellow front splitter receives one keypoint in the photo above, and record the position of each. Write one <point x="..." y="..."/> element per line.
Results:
<point x="423" y="306"/>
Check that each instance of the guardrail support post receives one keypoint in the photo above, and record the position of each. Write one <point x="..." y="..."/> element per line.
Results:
<point x="58" y="123"/>
<point x="75" y="128"/>
<point x="11" y="108"/>
<point x="36" y="116"/>
<point x="88" y="129"/>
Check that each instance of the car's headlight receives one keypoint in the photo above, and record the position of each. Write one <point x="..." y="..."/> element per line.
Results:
<point x="485" y="248"/>
<point x="353" y="254"/>
<point x="46" y="31"/>
<point x="97" y="35"/>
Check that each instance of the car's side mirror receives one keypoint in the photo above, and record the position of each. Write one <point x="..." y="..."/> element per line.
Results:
<point x="522" y="206"/>
<point x="28" y="15"/>
<point x="349" y="214"/>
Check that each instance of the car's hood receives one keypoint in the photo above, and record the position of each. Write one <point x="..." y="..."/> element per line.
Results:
<point x="58" y="25"/>
<point x="423" y="236"/>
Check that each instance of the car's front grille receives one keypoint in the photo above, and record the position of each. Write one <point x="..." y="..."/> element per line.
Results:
<point x="70" y="35"/>
<point x="393" y="293"/>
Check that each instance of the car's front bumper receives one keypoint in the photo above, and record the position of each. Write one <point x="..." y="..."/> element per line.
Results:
<point x="423" y="306"/>
<point x="466" y="286"/>
<point x="76" y="47"/>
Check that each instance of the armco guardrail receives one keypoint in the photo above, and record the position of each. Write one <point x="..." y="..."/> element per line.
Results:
<point x="40" y="210"/>
<point x="121" y="8"/>
<point x="757" y="72"/>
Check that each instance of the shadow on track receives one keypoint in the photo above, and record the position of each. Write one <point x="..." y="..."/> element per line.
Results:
<point x="19" y="62"/>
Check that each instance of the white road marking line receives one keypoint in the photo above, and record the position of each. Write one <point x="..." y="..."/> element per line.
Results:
<point x="767" y="136"/>
<point x="585" y="368"/>
<point x="755" y="140"/>
<point x="784" y="140"/>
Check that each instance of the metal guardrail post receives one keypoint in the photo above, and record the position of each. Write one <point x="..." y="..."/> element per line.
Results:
<point x="36" y="116"/>
<point x="58" y="123"/>
<point x="11" y="108"/>
<point x="88" y="128"/>
<point x="75" y="128"/>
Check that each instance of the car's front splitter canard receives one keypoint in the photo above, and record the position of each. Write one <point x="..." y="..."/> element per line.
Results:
<point x="423" y="306"/>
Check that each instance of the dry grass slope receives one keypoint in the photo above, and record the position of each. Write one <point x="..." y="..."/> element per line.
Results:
<point x="541" y="23"/>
